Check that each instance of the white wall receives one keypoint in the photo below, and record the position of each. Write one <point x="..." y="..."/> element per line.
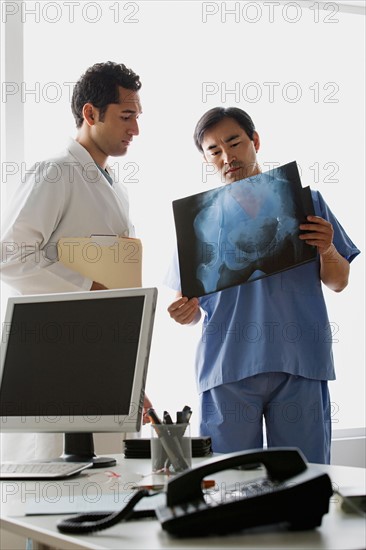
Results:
<point x="299" y="73"/>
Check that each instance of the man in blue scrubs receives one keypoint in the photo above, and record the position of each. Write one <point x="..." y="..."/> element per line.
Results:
<point x="265" y="351"/>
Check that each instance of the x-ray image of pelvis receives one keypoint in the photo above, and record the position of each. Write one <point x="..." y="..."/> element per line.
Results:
<point x="242" y="231"/>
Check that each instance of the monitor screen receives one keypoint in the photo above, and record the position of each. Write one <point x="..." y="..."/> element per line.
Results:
<point x="76" y="362"/>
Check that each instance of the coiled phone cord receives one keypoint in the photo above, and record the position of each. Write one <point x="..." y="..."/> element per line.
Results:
<point x="93" y="521"/>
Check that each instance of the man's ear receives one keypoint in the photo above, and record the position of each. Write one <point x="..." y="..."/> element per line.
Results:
<point x="89" y="114"/>
<point x="256" y="141"/>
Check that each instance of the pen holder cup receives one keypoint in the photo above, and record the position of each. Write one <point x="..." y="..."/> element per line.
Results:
<point x="171" y="448"/>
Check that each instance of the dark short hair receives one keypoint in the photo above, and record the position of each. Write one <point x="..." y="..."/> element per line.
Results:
<point x="215" y="115"/>
<point x="99" y="86"/>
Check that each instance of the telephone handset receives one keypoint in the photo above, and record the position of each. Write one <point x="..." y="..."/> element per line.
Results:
<point x="293" y="493"/>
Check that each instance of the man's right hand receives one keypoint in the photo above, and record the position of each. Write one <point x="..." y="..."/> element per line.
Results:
<point x="185" y="310"/>
<point x="98" y="286"/>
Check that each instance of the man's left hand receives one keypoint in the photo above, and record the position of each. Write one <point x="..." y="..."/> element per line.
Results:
<point x="319" y="233"/>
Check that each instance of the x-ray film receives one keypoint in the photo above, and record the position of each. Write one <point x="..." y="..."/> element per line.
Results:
<point x="242" y="231"/>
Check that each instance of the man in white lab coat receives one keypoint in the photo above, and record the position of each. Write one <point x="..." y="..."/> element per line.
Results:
<point x="74" y="194"/>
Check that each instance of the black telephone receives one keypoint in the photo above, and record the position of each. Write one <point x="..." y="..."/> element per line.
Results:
<point x="293" y="493"/>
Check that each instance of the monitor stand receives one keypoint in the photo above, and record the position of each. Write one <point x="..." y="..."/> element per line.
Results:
<point x="79" y="447"/>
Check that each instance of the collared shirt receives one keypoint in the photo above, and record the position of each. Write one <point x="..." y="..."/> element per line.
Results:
<point x="275" y="324"/>
<point x="106" y="175"/>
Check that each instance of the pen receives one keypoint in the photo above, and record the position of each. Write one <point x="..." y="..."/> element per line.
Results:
<point x="183" y="417"/>
<point x="187" y="413"/>
<point x="153" y="416"/>
<point x="167" y="418"/>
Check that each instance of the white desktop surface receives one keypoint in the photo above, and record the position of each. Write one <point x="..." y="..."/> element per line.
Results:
<point x="338" y="530"/>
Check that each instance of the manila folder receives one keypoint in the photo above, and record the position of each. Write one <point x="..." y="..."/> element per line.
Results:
<point x="115" y="262"/>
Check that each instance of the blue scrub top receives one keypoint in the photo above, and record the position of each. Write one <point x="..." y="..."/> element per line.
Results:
<point x="275" y="324"/>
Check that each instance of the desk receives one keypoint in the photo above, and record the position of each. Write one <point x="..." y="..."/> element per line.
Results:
<point x="338" y="530"/>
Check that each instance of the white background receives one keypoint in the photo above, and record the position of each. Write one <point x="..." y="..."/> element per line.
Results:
<point x="300" y="75"/>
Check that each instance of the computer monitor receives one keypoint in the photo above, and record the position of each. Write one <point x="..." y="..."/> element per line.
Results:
<point x="76" y="363"/>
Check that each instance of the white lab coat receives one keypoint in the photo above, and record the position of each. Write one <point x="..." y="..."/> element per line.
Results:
<point x="65" y="196"/>
<point x="62" y="197"/>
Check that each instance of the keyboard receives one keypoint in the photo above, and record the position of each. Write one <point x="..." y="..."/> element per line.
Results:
<point x="41" y="470"/>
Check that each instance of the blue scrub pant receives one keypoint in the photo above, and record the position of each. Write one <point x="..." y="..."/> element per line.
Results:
<point x="296" y="411"/>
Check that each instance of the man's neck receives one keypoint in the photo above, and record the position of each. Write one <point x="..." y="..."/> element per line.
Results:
<point x="97" y="155"/>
